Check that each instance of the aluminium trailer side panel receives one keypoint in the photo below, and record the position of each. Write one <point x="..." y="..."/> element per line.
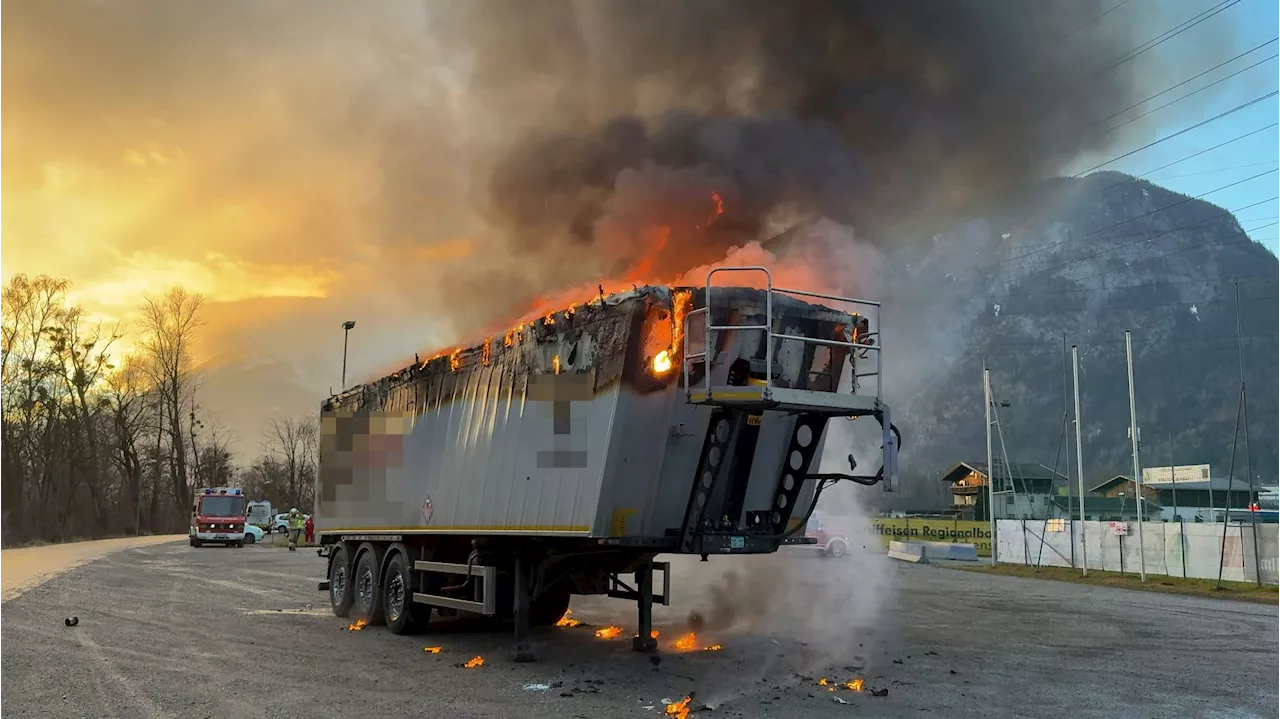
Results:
<point x="493" y="446"/>
<point x="472" y="465"/>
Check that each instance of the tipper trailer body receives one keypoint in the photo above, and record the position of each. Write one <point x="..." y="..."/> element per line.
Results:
<point x="561" y="457"/>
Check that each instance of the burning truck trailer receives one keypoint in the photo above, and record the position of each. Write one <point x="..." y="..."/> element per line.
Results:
<point x="562" y="457"/>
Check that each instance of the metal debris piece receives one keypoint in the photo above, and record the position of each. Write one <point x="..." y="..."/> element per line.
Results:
<point x="71" y="621"/>
<point x="536" y="687"/>
<point x="880" y="692"/>
<point x="839" y="700"/>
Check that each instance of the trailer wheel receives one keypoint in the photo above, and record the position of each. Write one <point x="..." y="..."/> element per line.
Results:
<point x="837" y="548"/>
<point x="403" y="615"/>
<point x="548" y="608"/>
<point x="368" y="590"/>
<point x="195" y="542"/>
<point x="341" y="593"/>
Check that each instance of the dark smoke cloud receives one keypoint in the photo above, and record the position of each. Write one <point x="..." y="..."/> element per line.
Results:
<point x="868" y="113"/>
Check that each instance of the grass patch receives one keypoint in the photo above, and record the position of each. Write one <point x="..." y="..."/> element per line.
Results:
<point x="1245" y="591"/>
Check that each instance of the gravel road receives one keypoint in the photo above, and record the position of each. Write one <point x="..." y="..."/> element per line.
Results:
<point x="173" y="631"/>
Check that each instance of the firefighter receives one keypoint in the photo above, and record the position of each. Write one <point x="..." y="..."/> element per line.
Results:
<point x="310" y="532"/>
<point x="294" y="523"/>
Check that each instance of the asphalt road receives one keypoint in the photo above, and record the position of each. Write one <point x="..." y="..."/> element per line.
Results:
<point x="172" y="631"/>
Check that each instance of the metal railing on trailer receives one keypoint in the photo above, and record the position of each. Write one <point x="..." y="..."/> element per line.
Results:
<point x="767" y="393"/>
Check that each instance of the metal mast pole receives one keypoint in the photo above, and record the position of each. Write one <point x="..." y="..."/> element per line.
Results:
<point x="991" y="491"/>
<point x="1075" y="378"/>
<point x="1248" y="460"/>
<point x="1137" y="472"/>
<point x="346" y="333"/>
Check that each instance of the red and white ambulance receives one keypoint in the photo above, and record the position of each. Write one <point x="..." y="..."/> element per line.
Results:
<point x="217" y="515"/>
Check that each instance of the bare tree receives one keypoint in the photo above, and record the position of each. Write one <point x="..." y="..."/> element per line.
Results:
<point x="292" y="442"/>
<point x="169" y="323"/>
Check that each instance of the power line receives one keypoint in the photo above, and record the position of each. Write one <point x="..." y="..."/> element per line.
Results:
<point x="1131" y="307"/>
<point x="1245" y="234"/>
<point x="1166" y="138"/>
<point x="1184" y="82"/>
<point x="1113" y="128"/>
<point x="1192" y="156"/>
<point x="1243" y="278"/>
<point x="1210" y="172"/>
<point x="1183" y="201"/>
<point x="1171" y="33"/>
<point x="1087" y="23"/>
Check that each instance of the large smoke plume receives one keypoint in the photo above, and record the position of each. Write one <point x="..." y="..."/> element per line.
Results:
<point x="877" y="115"/>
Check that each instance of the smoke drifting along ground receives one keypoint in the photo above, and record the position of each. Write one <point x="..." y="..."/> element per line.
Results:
<point x="836" y="607"/>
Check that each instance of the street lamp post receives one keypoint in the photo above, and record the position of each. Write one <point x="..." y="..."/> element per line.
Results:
<point x="346" y="331"/>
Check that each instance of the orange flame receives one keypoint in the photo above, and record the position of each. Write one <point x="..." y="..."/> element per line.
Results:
<point x="643" y="271"/>
<point x="357" y="625"/>
<point x="474" y="662"/>
<point x="719" y="209"/>
<point x="555" y="363"/>
<point x="455" y="359"/>
<point x="662" y="363"/>
<point x="712" y="648"/>
<point x="608" y="632"/>
<point x="653" y="634"/>
<point x="854" y="684"/>
<point x="486" y="354"/>
<point x="433" y="650"/>
<point x="550" y="318"/>
<point x="567" y="621"/>
<point x="687" y="642"/>
<point x="680" y="709"/>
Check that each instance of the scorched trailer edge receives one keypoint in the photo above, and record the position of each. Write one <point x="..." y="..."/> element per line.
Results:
<point x="565" y="455"/>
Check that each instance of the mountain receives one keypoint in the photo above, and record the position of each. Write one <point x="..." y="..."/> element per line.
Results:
<point x="1083" y="259"/>
<point x="245" y="392"/>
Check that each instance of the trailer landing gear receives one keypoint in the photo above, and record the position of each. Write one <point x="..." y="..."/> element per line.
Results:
<point x="524" y="652"/>
<point x="644" y="640"/>
<point x="642" y="594"/>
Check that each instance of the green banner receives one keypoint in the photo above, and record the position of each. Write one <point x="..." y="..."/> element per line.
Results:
<point x="934" y="530"/>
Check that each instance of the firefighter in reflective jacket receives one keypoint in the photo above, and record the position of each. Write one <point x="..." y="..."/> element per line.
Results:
<point x="294" y="522"/>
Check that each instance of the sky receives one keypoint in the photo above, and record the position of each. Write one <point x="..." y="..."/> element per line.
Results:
<point x="1237" y="29"/>
<point x="128" y="187"/>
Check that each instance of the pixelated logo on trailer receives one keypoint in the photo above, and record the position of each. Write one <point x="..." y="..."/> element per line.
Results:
<point x="426" y="510"/>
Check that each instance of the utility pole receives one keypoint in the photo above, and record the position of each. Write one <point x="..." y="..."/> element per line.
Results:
<point x="991" y="489"/>
<point x="346" y="332"/>
<point x="1075" y="378"/>
<point x="1248" y="459"/>
<point x="1137" y="471"/>
<point x="1173" y="481"/>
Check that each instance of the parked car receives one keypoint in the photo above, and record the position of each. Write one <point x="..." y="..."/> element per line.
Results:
<point x="253" y="533"/>
<point x="281" y="522"/>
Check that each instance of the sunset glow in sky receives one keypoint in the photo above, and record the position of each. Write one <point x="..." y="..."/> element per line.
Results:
<point x="297" y="169"/>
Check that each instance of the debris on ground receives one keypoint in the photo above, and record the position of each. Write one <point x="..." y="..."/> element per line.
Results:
<point x="357" y="625"/>
<point x="433" y="650"/>
<point x="880" y="692"/>
<point x="537" y="687"/>
<point x="71" y="621"/>
<point x="473" y="662"/>
<point x="567" y="620"/>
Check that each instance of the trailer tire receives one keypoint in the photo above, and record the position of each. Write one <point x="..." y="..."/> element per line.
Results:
<point x="367" y="588"/>
<point x="402" y="614"/>
<point x="341" y="589"/>
<point x="195" y="542"/>
<point x="548" y="608"/>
